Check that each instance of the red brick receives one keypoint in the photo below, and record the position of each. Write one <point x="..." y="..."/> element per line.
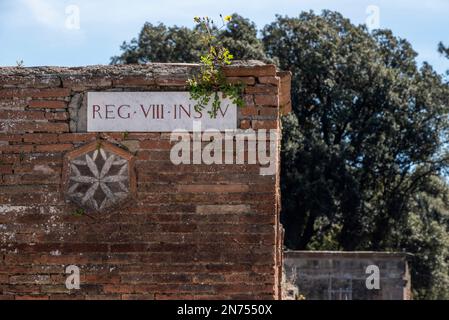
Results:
<point x="84" y="247"/>
<point x="143" y="136"/>
<point x="57" y="116"/>
<point x="34" y="93"/>
<point x="286" y="109"/>
<point x="285" y="76"/>
<point x="82" y="83"/>
<point x="4" y="169"/>
<point x="269" y="80"/>
<point x="284" y="96"/>
<point x="52" y="93"/>
<point x="23" y="127"/>
<point x="171" y="81"/>
<point x="261" y="88"/>
<point x="134" y="81"/>
<point x="249" y="100"/>
<point x="23" y="289"/>
<point x="241" y="80"/>
<point x="213" y="188"/>
<point x="248" y="111"/>
<point x="109" y="288"/>
<point x="21" y="115"/>
<point x="11" y="137"/>
<point x="40" y="138"/>
<point x="100" y="278"/>
<point x="104" y="297"/>
<point x="16" y="148"/>
<point x="48" y="81"/>
<point x="263" y="111"/>
<point x="266" y="100"/>
<point x="155" y="144"/>
<point x="129" y="247"/>
<point x="153" y="155"/>
<point x="54" y="147"/>
<point x="29" y="279"/>
<point x="245" y="124"/>
<point x="9" y="158"/>
<point x="148" y="296"/>
<point x="76" y="137"/>
<point x="119" y="136"/>
<point x="32" y="297"/>
<point x="254" y="71"/>
<point x="47" y="104"/>
<point x="265" y="124"/>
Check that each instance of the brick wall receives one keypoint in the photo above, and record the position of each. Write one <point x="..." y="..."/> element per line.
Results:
<point x="329" y="275"/>
<point x="191" y="231"/>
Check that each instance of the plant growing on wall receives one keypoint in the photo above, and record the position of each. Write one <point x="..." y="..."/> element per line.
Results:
<point x="211" y="81"/>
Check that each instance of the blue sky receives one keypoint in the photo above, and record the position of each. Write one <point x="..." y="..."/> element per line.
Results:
<point x="46" y="32"/>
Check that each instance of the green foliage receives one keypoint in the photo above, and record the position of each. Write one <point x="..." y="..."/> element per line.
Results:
<point x="159" y="43"/>
<point x="79" y="212"/>
<point x="367" y="134"/>
<point x="425" y="233"/>
<point x="443" y="50"/>
<point x="240" y="37"/>
<point x="363" y="112"/>
<point x="211" y="80"/>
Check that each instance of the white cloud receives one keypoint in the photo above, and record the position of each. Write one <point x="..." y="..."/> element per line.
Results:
<point x="45" y="12"/>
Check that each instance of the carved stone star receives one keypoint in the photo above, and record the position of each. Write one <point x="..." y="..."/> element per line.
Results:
<point x="98" y="179"/>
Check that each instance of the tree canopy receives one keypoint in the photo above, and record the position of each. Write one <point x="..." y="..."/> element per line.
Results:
<point x="368" y="128"/>
<point x="159" y="43"/>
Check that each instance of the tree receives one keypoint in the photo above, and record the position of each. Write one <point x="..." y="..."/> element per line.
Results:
<point x="159" y="43"/>
<point x="241" y="39"/>
<point x="365" y="118"/>
<point x="367" y="133"/>
<point x="426" y="234"/>
<point x="443" y="50"/>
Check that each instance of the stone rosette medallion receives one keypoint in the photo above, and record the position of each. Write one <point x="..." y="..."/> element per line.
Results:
<point x="98" y="176"/>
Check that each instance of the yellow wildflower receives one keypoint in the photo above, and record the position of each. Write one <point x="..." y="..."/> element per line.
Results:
<point x="227" y="18"/>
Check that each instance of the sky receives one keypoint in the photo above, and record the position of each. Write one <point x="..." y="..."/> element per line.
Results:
<point x="88" y="32"/>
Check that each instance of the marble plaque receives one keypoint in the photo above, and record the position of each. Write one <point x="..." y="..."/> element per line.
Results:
<point x="153" y="112"/>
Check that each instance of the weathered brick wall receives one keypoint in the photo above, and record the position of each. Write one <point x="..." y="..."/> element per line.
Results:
<point x="329" y="275"/>
<point x="192" y="231"/>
